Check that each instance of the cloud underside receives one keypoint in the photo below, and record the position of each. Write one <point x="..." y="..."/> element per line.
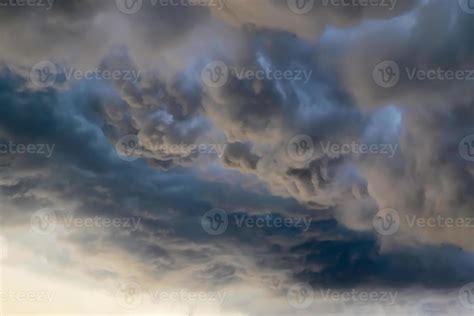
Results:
<point x="254" y="119"/>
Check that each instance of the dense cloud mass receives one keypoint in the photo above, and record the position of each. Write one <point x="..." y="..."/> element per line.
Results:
<point x="296" y="157"/>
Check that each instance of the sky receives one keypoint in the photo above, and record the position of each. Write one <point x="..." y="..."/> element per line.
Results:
<point x="236" y="157"/>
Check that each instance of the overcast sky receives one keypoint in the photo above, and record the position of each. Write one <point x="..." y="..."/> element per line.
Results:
<point x="237" y="157"/>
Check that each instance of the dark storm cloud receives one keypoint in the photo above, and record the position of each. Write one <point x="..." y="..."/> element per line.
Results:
<point x="255" y="119"/>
